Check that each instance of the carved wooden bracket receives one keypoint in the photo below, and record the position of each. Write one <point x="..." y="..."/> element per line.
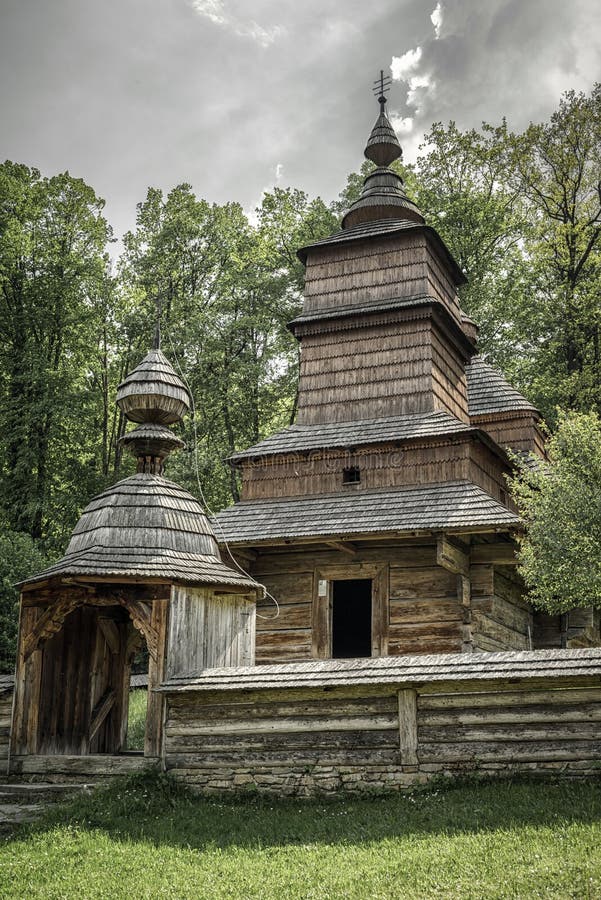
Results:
<point x="53" y="619"/>
<point x="141" y="617"/>
<point x="49" y="623"/>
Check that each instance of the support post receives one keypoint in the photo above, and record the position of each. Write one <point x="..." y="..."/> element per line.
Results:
<point x="408" y="727"/>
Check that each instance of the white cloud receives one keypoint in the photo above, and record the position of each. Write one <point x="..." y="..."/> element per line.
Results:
<point x="279" y="171"/>
<point x="216" y="12"/>
<point x="420" y="84"/>
<point x="402" y="125"/>
<point x="402" y="66"/>
<point x="436" y="19"/>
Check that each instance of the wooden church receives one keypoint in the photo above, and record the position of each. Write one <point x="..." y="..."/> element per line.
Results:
<point x="381" y="521"/>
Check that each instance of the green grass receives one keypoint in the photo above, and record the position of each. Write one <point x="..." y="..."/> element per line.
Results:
<point x="136" y="720"/>
<point x="147" y="838"/>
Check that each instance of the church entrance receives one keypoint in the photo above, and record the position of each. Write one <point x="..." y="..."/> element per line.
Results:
<point x="352" y="618"/>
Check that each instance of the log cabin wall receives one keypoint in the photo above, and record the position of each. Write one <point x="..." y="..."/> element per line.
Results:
<point x="328" y="728"/>
<point x="580" y="627"/>
<point x="501" y="617"/>
<point x="423" y="607"/>
<point x="6" y="709"/>
<point x="519" y="431"/>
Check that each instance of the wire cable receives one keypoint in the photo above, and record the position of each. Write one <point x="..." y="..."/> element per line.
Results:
<point x="213" y="517"/>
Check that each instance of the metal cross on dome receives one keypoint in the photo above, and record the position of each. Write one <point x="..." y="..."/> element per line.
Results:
<point x="382" y="86"/>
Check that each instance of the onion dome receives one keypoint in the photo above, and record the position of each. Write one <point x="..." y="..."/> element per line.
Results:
<point x="383" y="145"/>
<point x="146" y="527"/>
<point x="153" y="392"/>
<point x="155" y="396"/>
<point x="383" y="195"/>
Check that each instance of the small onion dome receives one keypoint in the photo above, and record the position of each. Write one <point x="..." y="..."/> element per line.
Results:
<point x="146" y="527"/>
<point x="383" y="197"/>
<point x="151" y="444"/>
<point x="153" y="392"/>
<point x="383" y="145"/>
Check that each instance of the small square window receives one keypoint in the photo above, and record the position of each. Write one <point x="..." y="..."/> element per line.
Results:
<point x="351" y="475"/>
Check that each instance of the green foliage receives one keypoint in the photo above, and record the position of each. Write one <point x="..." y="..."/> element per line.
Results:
<point x="136" y="720"/>
<point x="556" y="168"/>
<point x="561" y="507"/>
<point x="147" y="837"/>
<point x="20" y="557"/>
<point x="52" y="312"/>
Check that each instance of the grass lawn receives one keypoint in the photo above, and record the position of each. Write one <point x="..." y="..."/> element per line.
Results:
<point x="148" y="838"/>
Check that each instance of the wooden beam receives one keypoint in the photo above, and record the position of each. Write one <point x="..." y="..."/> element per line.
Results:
<point x="451" y="557"/>
<point x="110" y="633"/>
<point x="343" y="546"/>
<point x="246" y="554"/>
<point x="141" y="615"/>
<point x="500" y="554"/>
<point x="408" y="727"/>
<point x="101" y="711"/>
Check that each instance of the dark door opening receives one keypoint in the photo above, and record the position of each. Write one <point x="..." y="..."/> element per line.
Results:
<point x="351" y="618"/>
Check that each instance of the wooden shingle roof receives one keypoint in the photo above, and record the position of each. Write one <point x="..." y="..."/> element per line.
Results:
<point x="396" y="670"/>
<point x="303" y="438"/>
<point x="488" y="392"/>
<point x="455" y="505"/>
<point x="145" y="527"/>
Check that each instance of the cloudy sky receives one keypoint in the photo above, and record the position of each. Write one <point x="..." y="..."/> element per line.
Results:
<point x="234" y="96"/>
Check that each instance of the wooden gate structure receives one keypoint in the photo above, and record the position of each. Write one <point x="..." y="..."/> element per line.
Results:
<point x="142" y="570"/>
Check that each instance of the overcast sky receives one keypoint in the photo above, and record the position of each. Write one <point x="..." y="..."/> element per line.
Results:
<point x="234" y="96"/>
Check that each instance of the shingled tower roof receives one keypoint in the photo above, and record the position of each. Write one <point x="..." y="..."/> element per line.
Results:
<point x="146" y="526"/>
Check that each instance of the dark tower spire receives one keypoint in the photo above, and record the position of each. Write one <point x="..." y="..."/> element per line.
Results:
<point x="383" y="195"/>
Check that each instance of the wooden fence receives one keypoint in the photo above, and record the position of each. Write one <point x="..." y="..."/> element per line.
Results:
<point x="364" y="725"/>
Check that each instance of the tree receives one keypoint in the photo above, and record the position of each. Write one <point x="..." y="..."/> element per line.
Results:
<point x="556" y="167"/>
<point x="560" y="504"/>
<point x="52" y="259"/>
<point x="20" y="557"/>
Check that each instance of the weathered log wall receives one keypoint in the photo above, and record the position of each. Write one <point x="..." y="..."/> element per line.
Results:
<point x="501" y="618"/>
<point x="424" y="607"/>
<point x="381" y="736"/>
<point x="580" y="627"/>
<point x="6" y="705"/>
